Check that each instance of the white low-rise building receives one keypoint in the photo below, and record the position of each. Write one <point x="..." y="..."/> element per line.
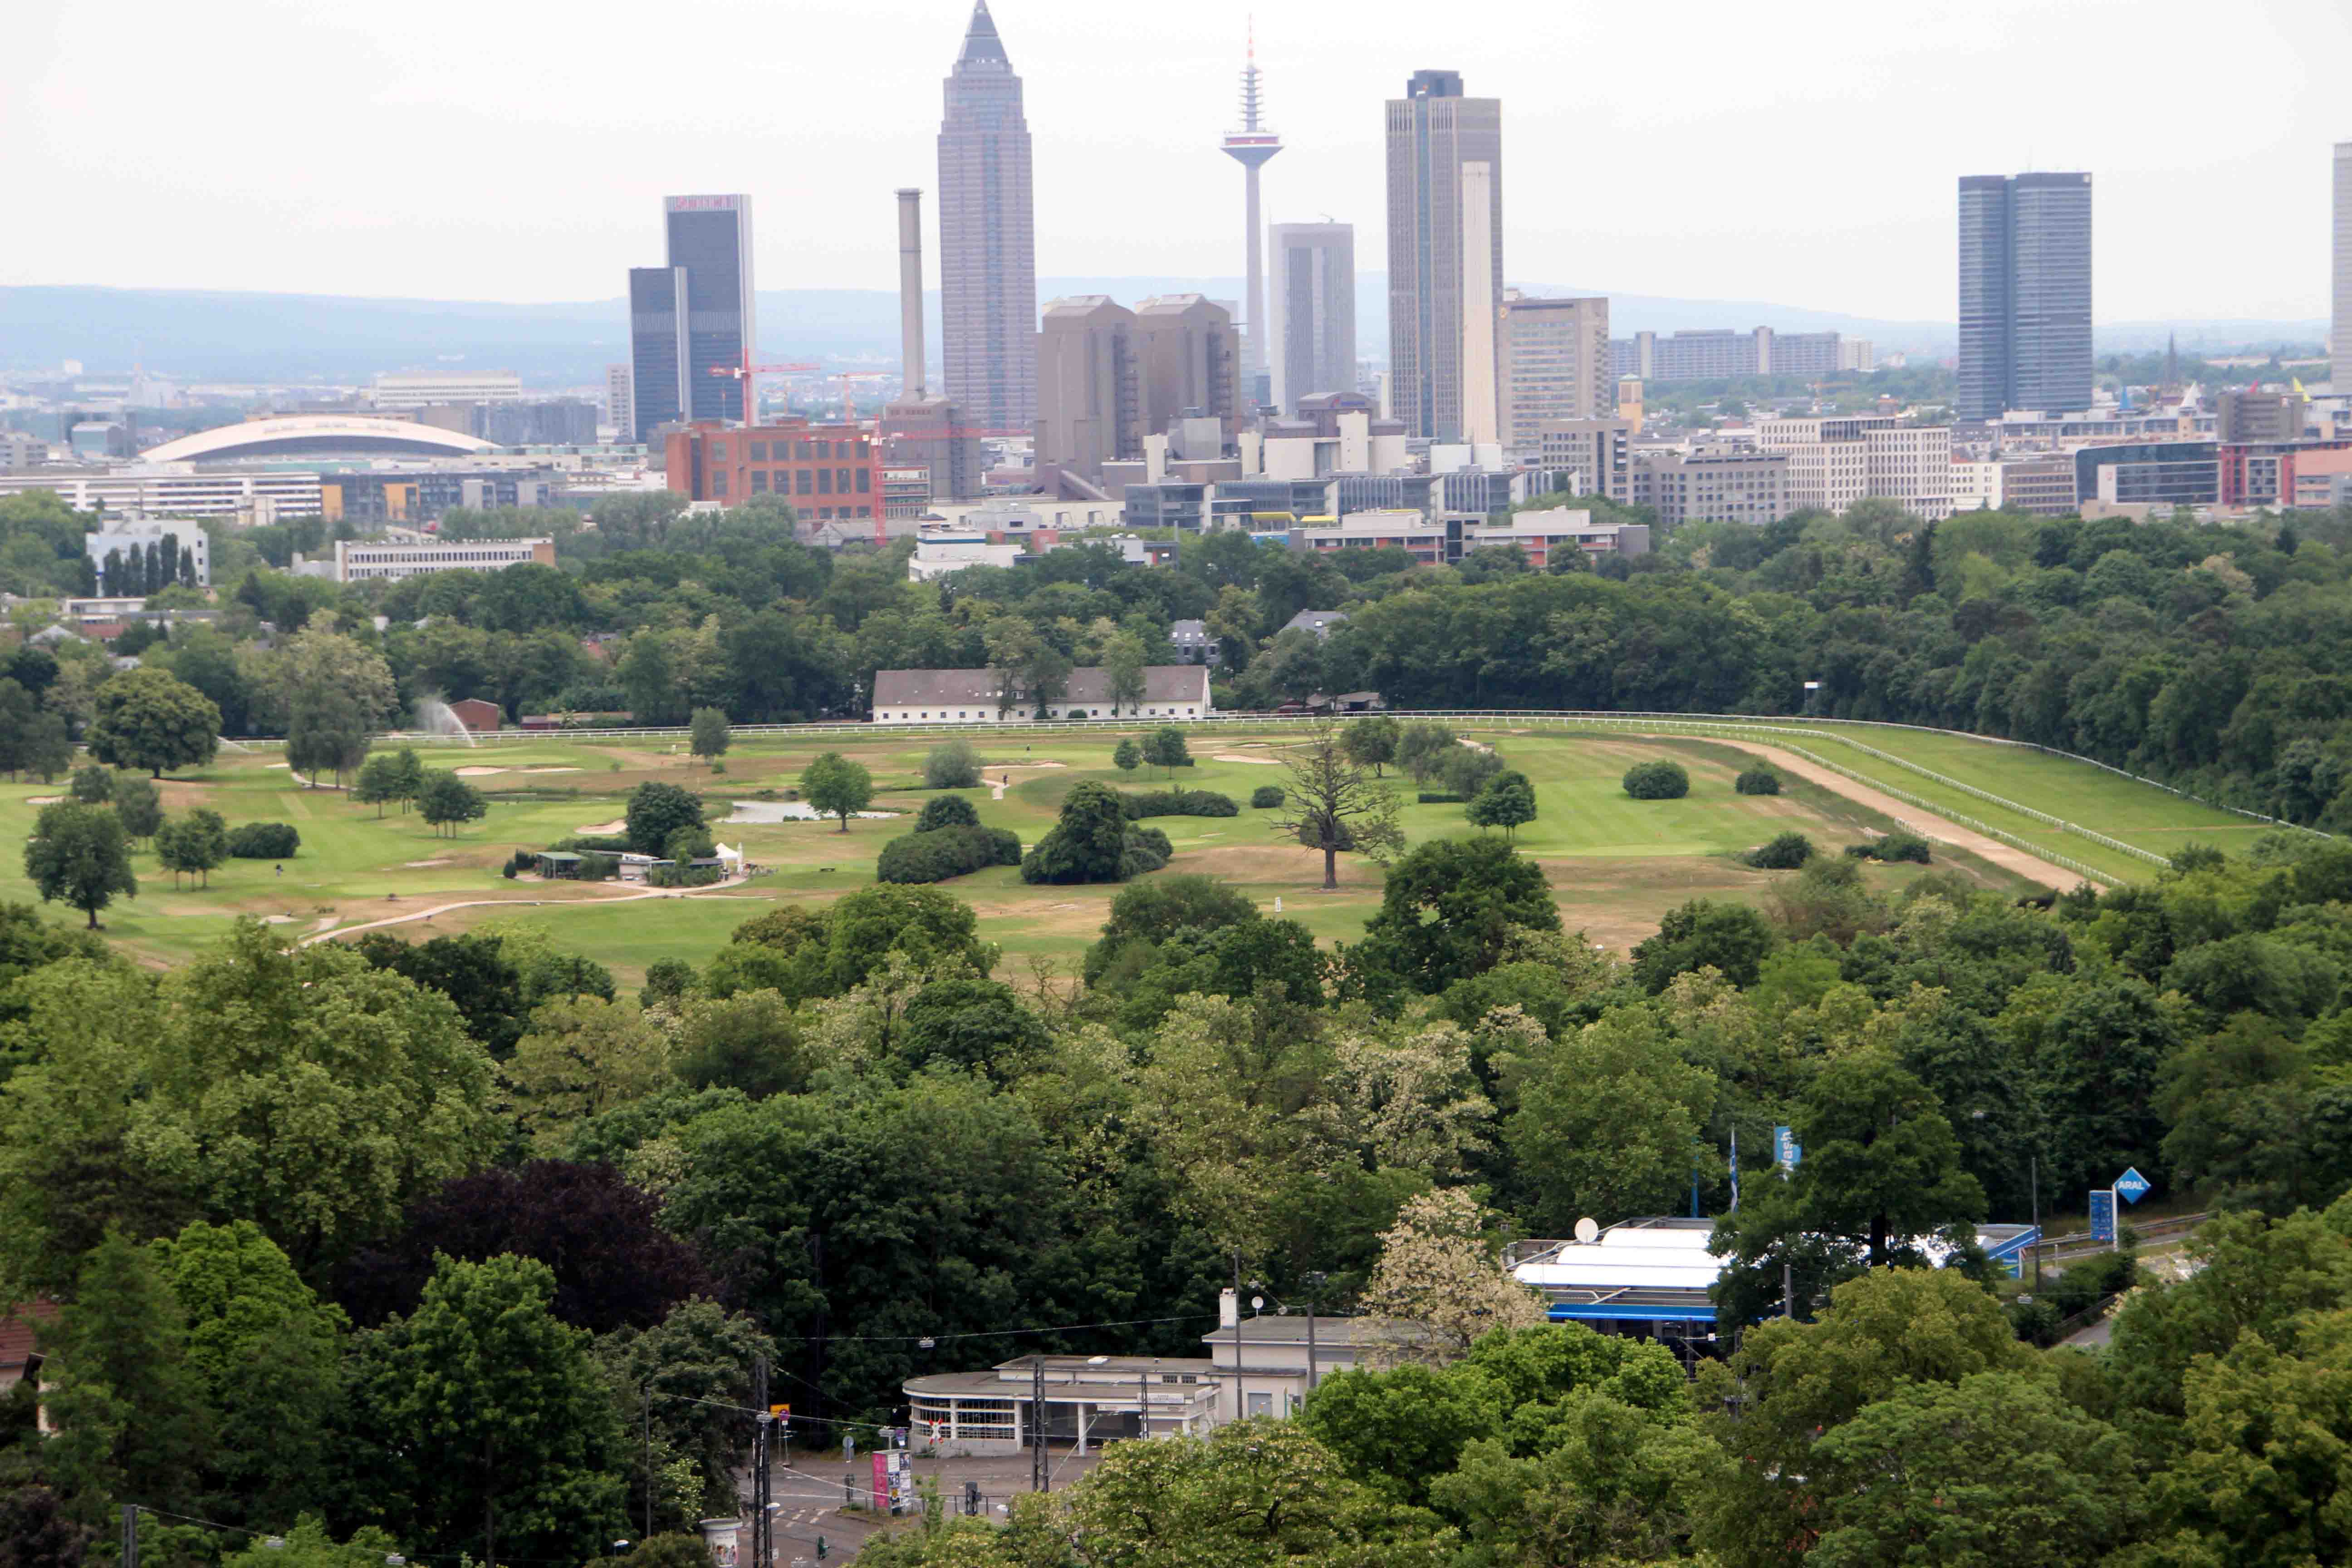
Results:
<point x="940" y="551"/>
<point x="130" y="535"/>
<point x="370" y="560"/>
<point x="178" y="491"/>
<point x="1258" y="1365"/>
<point x="1171" y="692"/>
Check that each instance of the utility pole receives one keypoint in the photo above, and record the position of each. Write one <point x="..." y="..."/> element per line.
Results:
<point x="131" y="1535"/>
<point x="1310" y="1345"/>
<point x="2033" y="1167"/>
<point x="1241" y="1404"/>
<point x="762" y="1548"/>
<point x="1788" y="1292"/>
<point x="1040" y="1475"/>
<point x="1143" y="1402"/>
<point x="648" y="1535"/>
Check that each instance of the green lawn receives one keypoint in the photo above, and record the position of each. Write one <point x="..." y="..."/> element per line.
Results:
<point x="1615" y="863"/>
<point x="2089" y="798"/>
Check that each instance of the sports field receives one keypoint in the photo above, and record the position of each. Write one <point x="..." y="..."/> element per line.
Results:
<point x="1616" y="864"/>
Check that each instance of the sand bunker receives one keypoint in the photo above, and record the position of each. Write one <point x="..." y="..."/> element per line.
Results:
<point x="416" y="864"/>
<point x="1253" y="762"/>
<point x="45" y="800"/>
<point x="546" y="770"/>
<point x="618" y="825"/>
<point x="478" y="772"/>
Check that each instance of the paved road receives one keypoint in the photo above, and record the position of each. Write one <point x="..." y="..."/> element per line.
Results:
<point x="810" y="1497"/>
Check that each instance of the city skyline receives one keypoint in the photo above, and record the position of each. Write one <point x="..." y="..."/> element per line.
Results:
<point x="1117" y="149"/>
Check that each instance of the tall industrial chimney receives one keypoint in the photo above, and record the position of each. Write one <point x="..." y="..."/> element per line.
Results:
<point x="910" y="291"/>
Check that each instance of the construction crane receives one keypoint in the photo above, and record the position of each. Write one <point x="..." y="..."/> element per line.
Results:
<point x="848" y="407"/>
<point x="747" y="375"/>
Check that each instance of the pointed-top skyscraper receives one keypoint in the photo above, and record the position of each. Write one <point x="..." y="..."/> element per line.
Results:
<point x="1251" y="147"/>
<point x="988" y="250"/>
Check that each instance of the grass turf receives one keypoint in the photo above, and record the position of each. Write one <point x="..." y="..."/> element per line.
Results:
<point x="1616" y="864"/>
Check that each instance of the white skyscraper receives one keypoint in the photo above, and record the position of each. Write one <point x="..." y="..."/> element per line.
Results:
<point x="1479" y="424"/>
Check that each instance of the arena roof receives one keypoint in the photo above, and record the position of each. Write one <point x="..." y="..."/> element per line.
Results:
<point x="318" y="436"/>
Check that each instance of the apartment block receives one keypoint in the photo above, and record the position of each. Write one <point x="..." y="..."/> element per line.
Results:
<point x="1554" y="364"/>
<point x="1707" y="486"/>
<point x="1834" y="462"/>
<point x="1598" y="451"/>
<point x="1722" y="354"/>
<point x="406" y="392"/>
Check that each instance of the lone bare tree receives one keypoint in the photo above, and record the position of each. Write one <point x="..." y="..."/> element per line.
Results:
<point x="1333" y="803"/>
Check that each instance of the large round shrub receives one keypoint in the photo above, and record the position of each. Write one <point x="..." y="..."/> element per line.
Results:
<point x="657" y="810"/>
<point x="1758" y="781"/>
<point x="263" y="841"/>
<point x="1660" y="780"/>
<point x="951" y="764"/>
<point x="946" y="811"/>
<point x="1783" y="852"/>
<point x="1266" y="797"/>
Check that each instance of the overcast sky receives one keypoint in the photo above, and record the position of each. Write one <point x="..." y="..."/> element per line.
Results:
<point x="1803" y="154"/>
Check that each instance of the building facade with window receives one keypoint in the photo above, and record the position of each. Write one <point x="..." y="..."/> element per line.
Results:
<point x="826" y="472"/>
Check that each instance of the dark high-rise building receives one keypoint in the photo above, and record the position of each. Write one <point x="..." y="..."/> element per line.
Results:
<point x="658" y="350"/>
<point x="2025" y="294"/>
<point x="691" y="321"/>
<point x="1434" y="132"/>
<point x="710" y="237"/>
<point x="988" y="248"/>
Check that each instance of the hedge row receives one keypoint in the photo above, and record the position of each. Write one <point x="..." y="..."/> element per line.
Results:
<point x="1266" y="797"/>
<point x="946" y="852"/>
<point x="584" y="843"/>
<point x="1439" y="797"/>
<point x="1140" y="804"/>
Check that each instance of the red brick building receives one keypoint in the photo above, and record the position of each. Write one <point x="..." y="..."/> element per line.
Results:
<point x="825" y="471"/>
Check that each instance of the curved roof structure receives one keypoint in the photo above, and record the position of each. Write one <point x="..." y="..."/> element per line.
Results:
<point x="318" y="436"/>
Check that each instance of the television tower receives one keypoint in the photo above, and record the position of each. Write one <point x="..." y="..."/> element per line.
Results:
<point x="1250" y="147"/>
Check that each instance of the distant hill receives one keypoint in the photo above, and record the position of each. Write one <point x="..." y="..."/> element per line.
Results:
<point x="196" y="335"/>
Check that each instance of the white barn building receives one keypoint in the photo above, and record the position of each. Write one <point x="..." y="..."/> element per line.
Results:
<point x="1171" y="692"/>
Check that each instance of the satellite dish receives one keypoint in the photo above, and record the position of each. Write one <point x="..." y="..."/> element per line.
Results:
<point x="1587" y="1230"/>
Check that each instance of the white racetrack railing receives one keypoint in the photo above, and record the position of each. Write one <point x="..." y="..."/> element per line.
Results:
<point x="1756" y="728"/>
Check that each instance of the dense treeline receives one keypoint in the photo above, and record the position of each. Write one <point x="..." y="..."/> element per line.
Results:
<point x="476" y="1207"/>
